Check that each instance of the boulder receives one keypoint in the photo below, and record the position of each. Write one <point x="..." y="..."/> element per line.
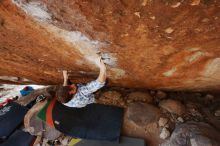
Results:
<point x="172" y="106"/>
<point x="143" y="114"/>
<point x="111" y="98"/>
<point x="140" y="96"/>
<point x="161" y="95"/>
<point x="140" y="121"/>
<point x="194" y="134"/>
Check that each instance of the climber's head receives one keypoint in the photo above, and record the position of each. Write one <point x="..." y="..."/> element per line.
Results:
<point x="66" y="93"/>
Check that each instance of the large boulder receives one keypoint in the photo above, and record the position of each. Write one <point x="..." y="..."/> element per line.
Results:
<point x="194" y="134"/>
<point x="143" y="114"/>
<point x="141" y="121"/>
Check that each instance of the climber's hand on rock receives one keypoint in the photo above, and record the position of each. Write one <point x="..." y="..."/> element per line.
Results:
<point x="65" y="78"/>
<point x="102" y="74"/>
<point x="65" y="75"/>
<point x="101" y="64"/>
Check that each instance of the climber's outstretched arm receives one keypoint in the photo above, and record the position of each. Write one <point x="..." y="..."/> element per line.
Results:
<point x="65" y="78"/>
<point x="102" y="73"/>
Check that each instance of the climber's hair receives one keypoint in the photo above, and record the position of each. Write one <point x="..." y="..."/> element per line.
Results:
<point x="62" y="94"/>
<point x="65" y="93"/>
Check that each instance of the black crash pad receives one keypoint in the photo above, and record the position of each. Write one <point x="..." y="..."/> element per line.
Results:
<point x="19" y="138"/>
<point x="95" y="121"/>
<point x="11" y="116"/>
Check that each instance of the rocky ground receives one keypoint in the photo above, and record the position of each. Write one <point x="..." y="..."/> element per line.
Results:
<point x="161" y="118"/>
<point x="167" y="118"/>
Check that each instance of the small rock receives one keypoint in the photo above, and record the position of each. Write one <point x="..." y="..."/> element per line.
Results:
<point x="176" y="5"/>
<point x="166" y="126"/>
<point x="64" y="141"/>
<point x="169" y="30"/>
<point x="137" y="14"/>
<point x="152" y="92"/>
<point x="45" y="142"/>
<point x="205" y="20"/>
<point x="209" y="97"/>
<point x="217" y="113"/>
<point x="161" y="95"/>
<point x="140" y="96"/>
<point x="198" y="94"/>
<point x="162" y="122"/>
<point x="129" y="101"/>
<point x="144" y="2"/>
<point x="195" y="2"/>
<point x="125" y="35"/>
<point x="172" y="106"/>
<point x="164" y="133"/>
<point x="153" y="17"/>
<point x="180" y="119"/>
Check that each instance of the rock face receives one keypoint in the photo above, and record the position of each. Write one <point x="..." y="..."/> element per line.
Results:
<point x="146" y="44"/>
<point x="194" y="134"/>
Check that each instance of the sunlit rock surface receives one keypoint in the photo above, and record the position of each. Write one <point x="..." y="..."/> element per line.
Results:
<point x="154" y="44"/>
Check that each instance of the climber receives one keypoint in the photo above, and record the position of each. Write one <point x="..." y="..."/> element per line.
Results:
<point x="81" y="95"/>
<point x="74" y="112"/>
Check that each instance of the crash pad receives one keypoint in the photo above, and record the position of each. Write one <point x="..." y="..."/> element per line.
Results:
<point x="95" y="121"/>
<point x="19" y="138"/>
<point x="124" y="141"/>
<point x="11" y="116"/>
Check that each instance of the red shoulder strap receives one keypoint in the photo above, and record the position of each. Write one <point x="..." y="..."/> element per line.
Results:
<point x="49" y="118"/>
